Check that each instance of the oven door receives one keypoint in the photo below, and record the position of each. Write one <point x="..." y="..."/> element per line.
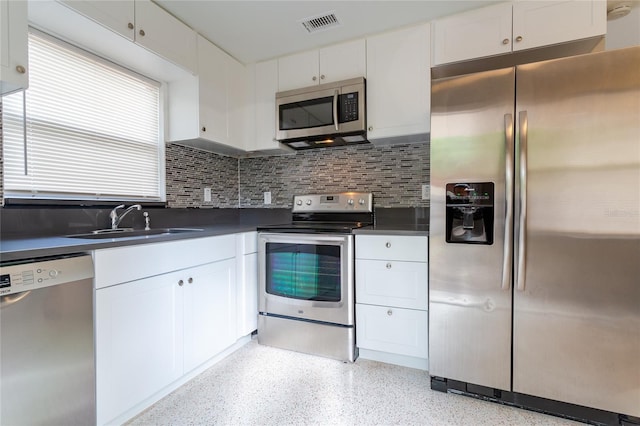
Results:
<point x="307" y="276"/>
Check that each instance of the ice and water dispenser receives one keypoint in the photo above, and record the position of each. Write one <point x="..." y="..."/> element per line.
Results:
<point x="470" y="213"/>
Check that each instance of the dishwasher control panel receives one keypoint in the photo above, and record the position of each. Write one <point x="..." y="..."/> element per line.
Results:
<point x="34" y="274"/>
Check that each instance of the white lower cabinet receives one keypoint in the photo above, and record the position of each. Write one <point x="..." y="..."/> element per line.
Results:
<point x="153" y="330"/>
<point x="392" y="299"/>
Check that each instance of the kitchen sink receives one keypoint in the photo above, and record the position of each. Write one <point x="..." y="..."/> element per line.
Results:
<point x="101" y="234"/>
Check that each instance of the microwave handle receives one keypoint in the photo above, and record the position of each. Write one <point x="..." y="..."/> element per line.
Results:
<point x="335" y="108"/>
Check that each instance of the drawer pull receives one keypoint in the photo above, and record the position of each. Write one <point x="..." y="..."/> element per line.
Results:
<point x="389" y="265"/>
<point x="389" y="312"/>
<point x="388" y="245"/>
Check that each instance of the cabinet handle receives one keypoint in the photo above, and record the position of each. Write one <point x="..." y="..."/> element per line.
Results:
<point x="130" y="25"/>
<point x="505" y="41"/>
<point x="322" y="77"/>
<point x="141" y="33"/>
<point x="388" y="245"/>
<point x="180" y="283"/>
<point x="389" y="265"/>
<point x="370" y="128"/>
<point x="389" y="312"/>
<point x="21" y="69"/>
<point x="190" y="280"/>
<point x="314" y="78"/>
<point x="204" y="129"/>
<point x="519" y="38"/>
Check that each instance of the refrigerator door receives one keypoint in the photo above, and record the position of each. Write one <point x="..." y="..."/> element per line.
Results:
<point x="577" y="295"/>
<point x="470" y="258"/>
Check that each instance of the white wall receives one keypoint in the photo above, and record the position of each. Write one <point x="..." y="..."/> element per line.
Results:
<point x="625" y="31"/>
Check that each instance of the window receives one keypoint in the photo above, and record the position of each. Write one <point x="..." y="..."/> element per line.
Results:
<point x="86" y="129"/>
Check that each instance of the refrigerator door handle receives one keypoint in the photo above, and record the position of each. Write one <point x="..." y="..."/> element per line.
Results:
<point x="522" y="228"/>
<point x="508" y="244"/>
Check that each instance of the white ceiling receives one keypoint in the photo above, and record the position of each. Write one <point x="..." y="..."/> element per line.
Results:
<point x="252" y="31"/>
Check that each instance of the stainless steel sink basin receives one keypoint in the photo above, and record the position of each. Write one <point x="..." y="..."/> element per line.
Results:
<point x="102" y="234"/>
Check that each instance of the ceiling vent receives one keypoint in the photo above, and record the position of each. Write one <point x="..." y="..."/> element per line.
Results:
<point x="321" y="22"/>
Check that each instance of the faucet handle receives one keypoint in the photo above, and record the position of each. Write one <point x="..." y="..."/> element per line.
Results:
<point x="146" y="221"/>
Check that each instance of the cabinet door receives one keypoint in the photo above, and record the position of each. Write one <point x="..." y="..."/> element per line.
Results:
<point x="266" y="86"/>
<point x="240" y="121"/>
<point x="165" y="35"/>
<point x="299" y="70"/>
<point x="343" y="61"/>
<point x="474" y="34"/>
<point x="117" y="15"/>
<point x="213" y="92"/>
<point x="392" y="283"/>
<point x="209" y="311"/>
<point x="13" y="46"/>
<point x="248" y="295"/>
<point x="139" y="342"/>
<point x="392" y="330"/>
<point x="543" y="23"/>
<point x="398" y="84"/>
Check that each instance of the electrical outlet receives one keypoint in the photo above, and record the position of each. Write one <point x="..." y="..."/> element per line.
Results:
<point x="207" y="195"/>
<point x="426" y="192"/>
<point x="267" y="197"/>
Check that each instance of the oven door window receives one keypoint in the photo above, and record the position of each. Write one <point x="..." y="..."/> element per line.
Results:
<point x="304" y="271"/>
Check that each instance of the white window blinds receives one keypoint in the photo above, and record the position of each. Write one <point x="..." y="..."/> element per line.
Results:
<point x="91" y="129"/>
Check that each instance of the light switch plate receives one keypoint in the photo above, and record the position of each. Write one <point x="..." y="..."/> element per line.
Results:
<point x="267" y="197"/>
<point x="207" y="194"/>
<point x="426" y="192"/>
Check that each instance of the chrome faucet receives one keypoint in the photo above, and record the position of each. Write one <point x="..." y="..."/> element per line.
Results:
<point x="115" y="219"/>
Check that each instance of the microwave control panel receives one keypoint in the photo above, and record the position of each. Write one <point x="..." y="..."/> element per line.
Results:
<point x="348" y="103"/>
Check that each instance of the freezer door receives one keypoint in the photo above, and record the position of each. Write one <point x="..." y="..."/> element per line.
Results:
<point x="470" y="272"/>
<point x="577" y="296"/>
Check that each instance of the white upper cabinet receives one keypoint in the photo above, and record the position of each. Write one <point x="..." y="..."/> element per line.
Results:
<point x="542" y="23"/>
<point x="147" y="24"/>
<point x="13" y="46"/>
<point x="210" y="109"/>
<point x="338" y="62"/>
<point x="117" y="15"/>
<point x="478" y="33"/>
<point x="516" y="26"/>
<point x="265" y="86"/>
<point x="399" y="85"/>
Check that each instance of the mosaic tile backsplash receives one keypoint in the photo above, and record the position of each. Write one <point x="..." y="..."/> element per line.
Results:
<point x="394" y="174"/>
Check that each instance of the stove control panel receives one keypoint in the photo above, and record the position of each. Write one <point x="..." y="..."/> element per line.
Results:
<point x="343" y="202"/>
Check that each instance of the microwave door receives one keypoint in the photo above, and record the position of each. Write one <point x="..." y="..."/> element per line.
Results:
<point x="306" y="115"/>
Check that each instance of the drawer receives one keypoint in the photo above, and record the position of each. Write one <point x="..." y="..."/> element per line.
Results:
<point x="393" y="330"/>
<point x="392" y="247"/>
<point x="392" y="283"/>
<point x="121" y="264"/>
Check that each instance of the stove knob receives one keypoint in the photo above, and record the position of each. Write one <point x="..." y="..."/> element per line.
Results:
<point x="299" y="202"/>
<point x="361" y="201"/>
<point x="308" y="202"/>
<point x="350" y="202"/>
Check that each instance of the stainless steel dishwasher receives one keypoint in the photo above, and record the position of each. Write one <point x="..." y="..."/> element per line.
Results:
<point x="47" y="362"/>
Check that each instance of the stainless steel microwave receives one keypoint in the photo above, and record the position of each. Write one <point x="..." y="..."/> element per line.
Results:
<point x="329" y="114"/>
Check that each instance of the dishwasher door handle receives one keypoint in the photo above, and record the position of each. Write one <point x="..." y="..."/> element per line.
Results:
<point x="11" y="299"/>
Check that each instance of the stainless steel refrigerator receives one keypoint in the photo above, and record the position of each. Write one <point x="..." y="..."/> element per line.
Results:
<point x="535" y="232"/>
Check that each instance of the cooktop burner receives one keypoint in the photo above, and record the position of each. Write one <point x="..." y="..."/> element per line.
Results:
<point x="326" y="213"/>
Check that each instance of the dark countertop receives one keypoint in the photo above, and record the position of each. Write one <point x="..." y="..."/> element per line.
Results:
<point x="32" y="247"/>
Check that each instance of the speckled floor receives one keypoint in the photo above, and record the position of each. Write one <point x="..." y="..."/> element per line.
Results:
<point x="260" y="385"/>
